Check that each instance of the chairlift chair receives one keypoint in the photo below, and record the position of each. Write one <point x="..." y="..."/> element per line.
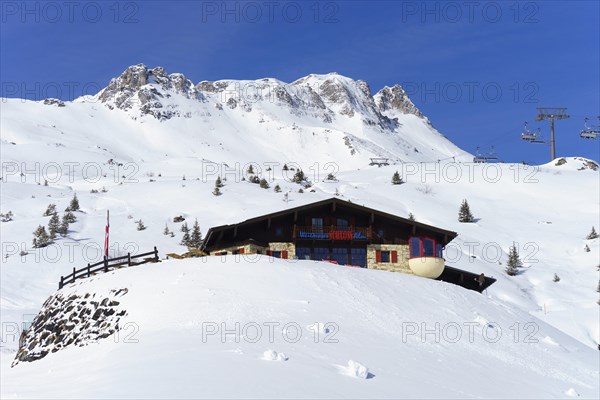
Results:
<point x="589" y="132"/>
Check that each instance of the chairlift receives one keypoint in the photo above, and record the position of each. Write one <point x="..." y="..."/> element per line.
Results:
<point x="532" y="137"/>
<point x="589" y="132"/>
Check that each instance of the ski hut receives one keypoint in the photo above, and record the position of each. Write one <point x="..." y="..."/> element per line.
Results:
<point x="343" y="233"/>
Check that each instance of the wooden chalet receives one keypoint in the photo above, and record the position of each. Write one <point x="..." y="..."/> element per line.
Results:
<point x="345" y="233"/>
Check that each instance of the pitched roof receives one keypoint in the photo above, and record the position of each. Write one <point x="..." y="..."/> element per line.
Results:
<point x="331" y="201"/>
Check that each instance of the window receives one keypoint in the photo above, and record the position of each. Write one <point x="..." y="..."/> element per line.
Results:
<point x="342" y="224"/>
<point x="358" y="257"/>
<point x="385" y="256"/>
<point x="276" y="254"/>
<point x="321" y="253"/>
<point x="415" y="247"/>
<point x="424" y="247"/>
<point x="428" y="246"/>
<point x="340" y="254"/>
<point x="317" y="225"/>
<point x="303" y="253"/>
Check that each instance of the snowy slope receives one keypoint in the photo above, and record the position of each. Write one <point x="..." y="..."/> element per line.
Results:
<point x="149" y="130"/>
<point x="171" y="344"/>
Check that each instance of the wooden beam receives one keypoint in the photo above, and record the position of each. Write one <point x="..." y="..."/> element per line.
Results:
<point x="295" y="216"/>
<point x="269" y="223"/>
<point x="333" y="206"/>
<point x="235" y="231"/>
<point x="372" y="218"/>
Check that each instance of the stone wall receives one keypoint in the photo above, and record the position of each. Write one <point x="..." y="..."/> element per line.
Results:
<point x="400" y="266"/>
<point x="248" y="249"/>
<point x="280" y="246"/>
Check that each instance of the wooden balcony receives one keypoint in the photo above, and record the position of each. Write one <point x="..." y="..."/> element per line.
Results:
<point x="332" y="232"/>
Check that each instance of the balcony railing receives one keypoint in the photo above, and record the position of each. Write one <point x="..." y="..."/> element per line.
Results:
<point x="332" y="232"/>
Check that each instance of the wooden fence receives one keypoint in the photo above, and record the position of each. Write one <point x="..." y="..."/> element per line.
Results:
<point x="105" y="264"/>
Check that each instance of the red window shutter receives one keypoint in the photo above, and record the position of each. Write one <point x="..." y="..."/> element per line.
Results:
<point x="377" y="255"/>
<point x="284" y="254"/>
<point x="268" y="252"/>
<point x="394" y="256"/>
<point x="241" y="250"/>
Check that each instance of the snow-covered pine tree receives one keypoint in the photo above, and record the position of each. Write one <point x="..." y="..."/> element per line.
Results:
<point x="63" y="229"/>
<point x="592" y="235"/>
<point x="53" y="226"/>
<point x="411" y="217"/>
<point x="74" y="204"/>
<point x="184" y="228"/>
<point x="219" y="182"/>
<point x="196" y="236"/>
<point x="40" y="237"/>
<point x="140" y="225"/>
<point x="514" y="262"/>
<point x="299" y="176"/>
<point x="50" y="210"/>
<point x="556" y="278"/>
<point x="70" y="217"/>
<point x="186" y="239"/>
<point x="277" y="189"/>
<point x="464" y="213"/>
<point x="264" y="184"/>
<point x="217" y="191"/>
<point x="396" y="179"/>
<point x="166" y="231"/>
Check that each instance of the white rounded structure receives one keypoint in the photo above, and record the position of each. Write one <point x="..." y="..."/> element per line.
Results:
<point x="427" y="267"/>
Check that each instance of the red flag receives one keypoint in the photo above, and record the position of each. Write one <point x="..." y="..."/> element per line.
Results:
<point x="106" y="236"/>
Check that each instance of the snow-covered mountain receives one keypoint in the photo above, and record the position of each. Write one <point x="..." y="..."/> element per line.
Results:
<point x="151" y="145"/>
<point x="318" y="118"/>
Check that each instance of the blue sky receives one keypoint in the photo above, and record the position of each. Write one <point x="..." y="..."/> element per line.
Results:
<point x="477" y="70"/>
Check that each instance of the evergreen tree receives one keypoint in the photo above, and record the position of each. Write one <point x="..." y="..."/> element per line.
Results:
<point x="51" y="210"/>
<point x="250" y="170"/>
<point x="196" y="236"/>
<point x="185" y="240"/>
<point x="464" y="213"/>
<point x="40" y="237"/>
<point x="53" y="225"/>
<point x="587" y="248"/>
<point x="74" y="204"/>
<point x="277" y="189"/>
<point x="166" y="231"/>
<point x="331" y="177"/>
<point x="140" y="225"/>
<point x="63" y="229"/>
<point x="217" y="191"/>
<point x="70" y="217"/>
<point x="396" y="179"/>
<point x="184" y="228"/>
<point x="592" y="235"/>
<point x="264" y="184"/>
<point x="556" y="278"/>
<point x="514" y="262"/>
<point x="411" y="217"/>
<point x="299" y="177"/>
<point x="285" y="167"/>
<point x="218" y="182"/>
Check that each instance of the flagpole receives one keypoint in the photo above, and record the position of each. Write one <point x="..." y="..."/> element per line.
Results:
<point x="106" y="235"/>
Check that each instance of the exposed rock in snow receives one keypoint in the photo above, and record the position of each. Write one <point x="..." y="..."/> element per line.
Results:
<point x="70" y="320"/>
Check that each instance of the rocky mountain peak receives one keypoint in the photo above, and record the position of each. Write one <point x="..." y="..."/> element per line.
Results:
<point x="395" y="98"/>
